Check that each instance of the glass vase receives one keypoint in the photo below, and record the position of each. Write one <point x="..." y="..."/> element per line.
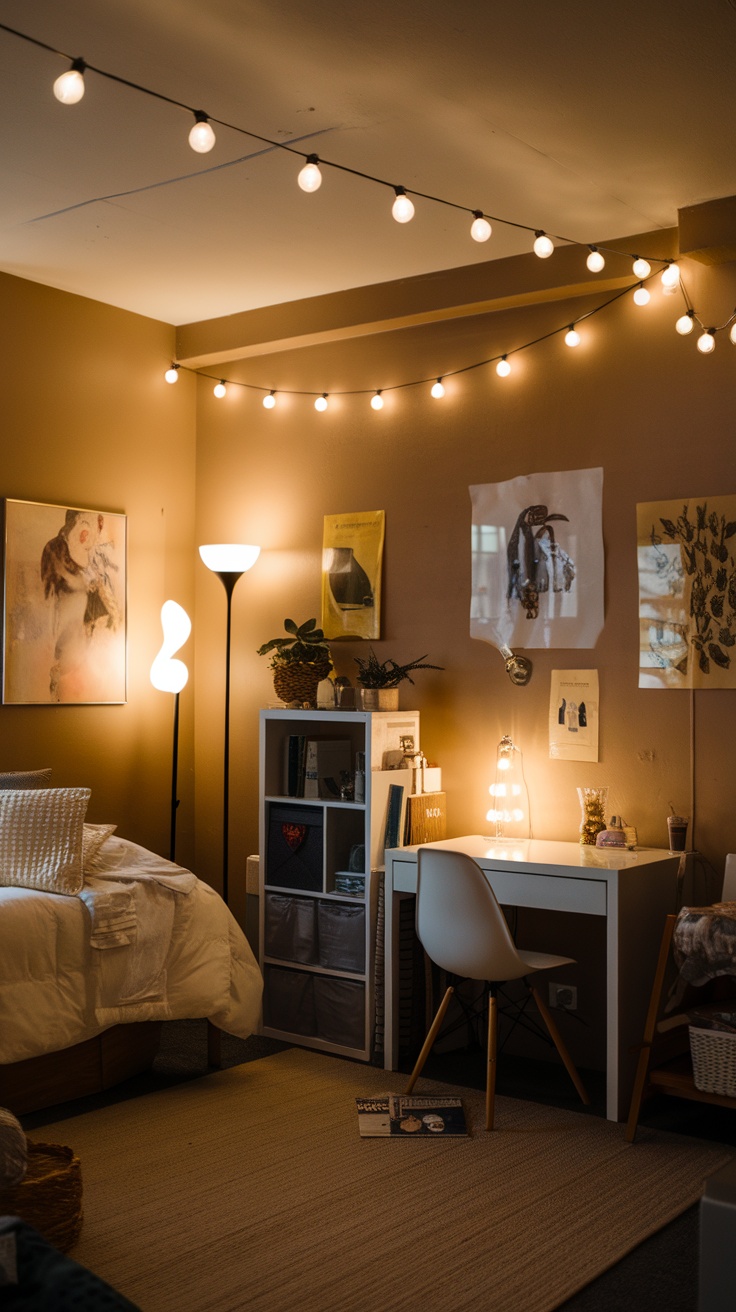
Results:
<point x="592" y="813"/>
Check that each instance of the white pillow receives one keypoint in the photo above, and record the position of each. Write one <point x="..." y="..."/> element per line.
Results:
<point x="93" y="838"/>
<point x="41" y="836"/>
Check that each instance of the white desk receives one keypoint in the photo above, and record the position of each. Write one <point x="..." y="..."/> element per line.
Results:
<point x="634" y="891"/>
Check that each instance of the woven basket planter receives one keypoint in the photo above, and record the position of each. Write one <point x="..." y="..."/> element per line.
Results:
<point x="49" y="1197"/>
<point x="298" y="683"/>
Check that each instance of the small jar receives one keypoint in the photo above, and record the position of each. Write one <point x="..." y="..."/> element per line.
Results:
<point x="593" y="813"/>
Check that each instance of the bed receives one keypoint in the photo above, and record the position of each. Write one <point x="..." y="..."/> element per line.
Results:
<point x="93" y="959"/>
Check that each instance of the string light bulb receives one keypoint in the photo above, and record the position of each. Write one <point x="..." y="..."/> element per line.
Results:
<point x="321" y="402"/>
<point x="69" y="87"/>
<point x="641" y="295"/>
<point x="438" y="390"/>
<point x="543" y="245"/>
<point x="670" y="277"/>
<point x="402" y="208"/>
<point x="480" y="228"/>
<point x="172" y="373"/>
<point x="503" y="368"/>
<point x="732" y="333"/>
<point x="642" y="268"/>
<point x="201" y="136"/>
<point x="377" y="401"/>
<point x="595" y="260"/>
<point x="269" y="401"/>
<point x="310" y="178"/>
<point x="220" y="389"/>
<point x="572" y="336"/>
<point x="685" y="323"/>
<point x="707" y="341"/>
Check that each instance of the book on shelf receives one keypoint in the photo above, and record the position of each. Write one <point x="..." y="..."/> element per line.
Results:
<point x="294" y="753"/>
<point x="326" y="760"/>
<point x="426" y="818"/>
<point x="410" y="1116"/>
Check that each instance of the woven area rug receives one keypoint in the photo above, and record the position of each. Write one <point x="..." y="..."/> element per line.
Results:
<point x="251" y="1189"/>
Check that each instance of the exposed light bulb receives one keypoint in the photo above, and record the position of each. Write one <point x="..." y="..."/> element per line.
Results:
<point x="269" y="401"/>
<point x="201" y="136"/>
<point x="670" y="277"/>
<point x="595" y="260"/>
<point x="685" y="323"/>
<point x="503" y="368"/>
<point x="438" y="389"/>
<point x="402" y="208"/>
<point x="641" y="296"/>
<point x="732" y="333"/>
<point x="480" y="228"/>
<point x="707" y="341"/>
<point x="321" y="402"/>
<point x="69" y="88"/>
<point x="220" y="390"/>
<point x="543" y="245"/>
<point x="377" y="401"/>
<point x="572" y="336"/>
<point x="172" y="373"/>
<point x="642" y="268"/>
<point x="310" y="178"/>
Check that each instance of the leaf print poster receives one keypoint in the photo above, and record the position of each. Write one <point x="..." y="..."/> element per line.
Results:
<point x="687" y="593"/>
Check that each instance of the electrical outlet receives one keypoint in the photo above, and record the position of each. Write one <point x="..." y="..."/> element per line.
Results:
<point x="564" y="996"/>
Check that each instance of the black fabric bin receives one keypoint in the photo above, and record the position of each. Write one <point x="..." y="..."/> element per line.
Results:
<point x="290" y="928"/>
<point x="294" y="849"/>
<point x="288" y="1001"/>
<point x="341" y="931"/>
<point x="340" y="1010"/>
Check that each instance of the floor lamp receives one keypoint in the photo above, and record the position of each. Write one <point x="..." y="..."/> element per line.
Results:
<point x="228" y="560"/>
<point x="169" y="675"/>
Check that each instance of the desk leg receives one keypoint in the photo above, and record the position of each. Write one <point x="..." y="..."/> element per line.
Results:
<point x="390" y="974"/>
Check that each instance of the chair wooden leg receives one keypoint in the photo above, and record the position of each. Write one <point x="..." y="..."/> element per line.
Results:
<point x="645" y="1052"/>
<point x="428" y="1042"/>
<point x="557" y="1039"/>
<point x="491" y="1060"/>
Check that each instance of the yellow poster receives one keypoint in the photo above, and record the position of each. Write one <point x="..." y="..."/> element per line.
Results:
<point x="352" y="553"/>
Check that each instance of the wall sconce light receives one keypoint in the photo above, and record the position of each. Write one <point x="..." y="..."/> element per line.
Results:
<point x="228" y="560"/>
<point x="170" y="675"/>
<point x="509" y="813"/>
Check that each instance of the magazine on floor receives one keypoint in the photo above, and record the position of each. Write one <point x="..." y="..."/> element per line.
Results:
<point x="410" y="1116"/>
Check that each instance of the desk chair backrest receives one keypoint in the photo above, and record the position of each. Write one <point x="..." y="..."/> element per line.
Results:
<point x="729" y="879"/>
<point x="459" y="921"/>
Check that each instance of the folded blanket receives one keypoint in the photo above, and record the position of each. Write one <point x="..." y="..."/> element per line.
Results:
<point x="111" y="908"/>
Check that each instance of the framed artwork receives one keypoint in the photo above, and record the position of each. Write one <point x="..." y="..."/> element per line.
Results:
<point x="64" y="605"/>
<point x="352" y="555"/>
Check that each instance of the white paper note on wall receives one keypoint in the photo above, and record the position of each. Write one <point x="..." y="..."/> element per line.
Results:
<point x="573" y="715"/>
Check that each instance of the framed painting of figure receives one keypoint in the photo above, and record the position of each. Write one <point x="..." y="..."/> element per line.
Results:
<point x="64" y="605"/>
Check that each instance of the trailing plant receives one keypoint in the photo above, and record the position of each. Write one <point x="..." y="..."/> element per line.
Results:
<point x="305" y="645"/>
<point x="373" y="673"/>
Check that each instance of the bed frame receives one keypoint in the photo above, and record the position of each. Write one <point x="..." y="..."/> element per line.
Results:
<point x="89" y="1067"/>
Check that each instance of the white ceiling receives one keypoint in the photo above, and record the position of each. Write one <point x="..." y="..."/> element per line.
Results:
<point x="589" y="121"/>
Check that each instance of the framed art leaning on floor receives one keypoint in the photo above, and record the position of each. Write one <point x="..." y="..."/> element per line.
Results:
<point x="64" y="605"/>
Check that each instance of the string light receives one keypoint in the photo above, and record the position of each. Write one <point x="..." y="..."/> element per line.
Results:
<point x="503" y="368"/>
<point x="220" y="389"/>
<point x="402" y="208"/>
<point x="642" y="295"/>
<point x="732" y="333"/>
<point x="686" y="323"/>
<point x="572" y="336"/>
<point x="670" y="277"/>
<point x="438" y="389"/>
<point x="707" y="341"/>
<point x="595" y="260"/>
<point x="321" y="402"/>
<point x="543" y="245"/>
<point x="172" y="374"/>
<point x="641" y="268"/>
<point x="310" y="178"/>
<point x="202" y="136"/>
<point x="69" y="88"/>
<point x="377" y="401"/>
<point x="269" y="401"/>
<point x="480" y="228"/>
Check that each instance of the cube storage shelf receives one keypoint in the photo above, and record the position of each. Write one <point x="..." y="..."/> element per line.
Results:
<point x="317" y="940"/>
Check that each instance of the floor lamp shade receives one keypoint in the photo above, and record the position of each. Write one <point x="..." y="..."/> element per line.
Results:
<point x="170" y="675"/>
<point x="228" y="560"/>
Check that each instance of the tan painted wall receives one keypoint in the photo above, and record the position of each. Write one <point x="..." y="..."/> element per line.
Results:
<point x="87" y="420"/>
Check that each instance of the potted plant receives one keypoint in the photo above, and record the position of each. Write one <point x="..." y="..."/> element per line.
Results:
<point x="379" y="680"/>
<point x="299" y="661"/>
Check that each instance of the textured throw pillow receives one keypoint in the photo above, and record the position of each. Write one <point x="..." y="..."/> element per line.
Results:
<point x="92" y="840"/>
<point x="41" y="832"/>
<point x="25" y="779"/>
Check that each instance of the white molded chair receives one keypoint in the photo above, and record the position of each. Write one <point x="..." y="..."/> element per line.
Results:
<point x="463" y="930"/>
<point x="729" y="879"/>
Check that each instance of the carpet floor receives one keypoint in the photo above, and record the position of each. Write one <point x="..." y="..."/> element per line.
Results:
<point x="252" y="1189"/>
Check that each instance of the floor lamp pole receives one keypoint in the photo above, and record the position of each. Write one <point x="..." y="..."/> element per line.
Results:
<point x="229" y="580"/>
<point x="174" y="766"/>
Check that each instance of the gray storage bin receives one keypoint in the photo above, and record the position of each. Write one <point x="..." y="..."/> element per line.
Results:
<point x="341" y="932"/>
<point x="290" y="928"/>
<point x="340" y="1010"/>
<point x="288" y="1001"/>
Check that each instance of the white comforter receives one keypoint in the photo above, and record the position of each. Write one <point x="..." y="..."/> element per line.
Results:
<point x="167" y="948"/>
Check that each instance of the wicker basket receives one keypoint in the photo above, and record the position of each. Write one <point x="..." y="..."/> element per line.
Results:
<point x="713" y="1054"/>
<point x="50" y="1195"/>
<point x="295" y="682"/>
